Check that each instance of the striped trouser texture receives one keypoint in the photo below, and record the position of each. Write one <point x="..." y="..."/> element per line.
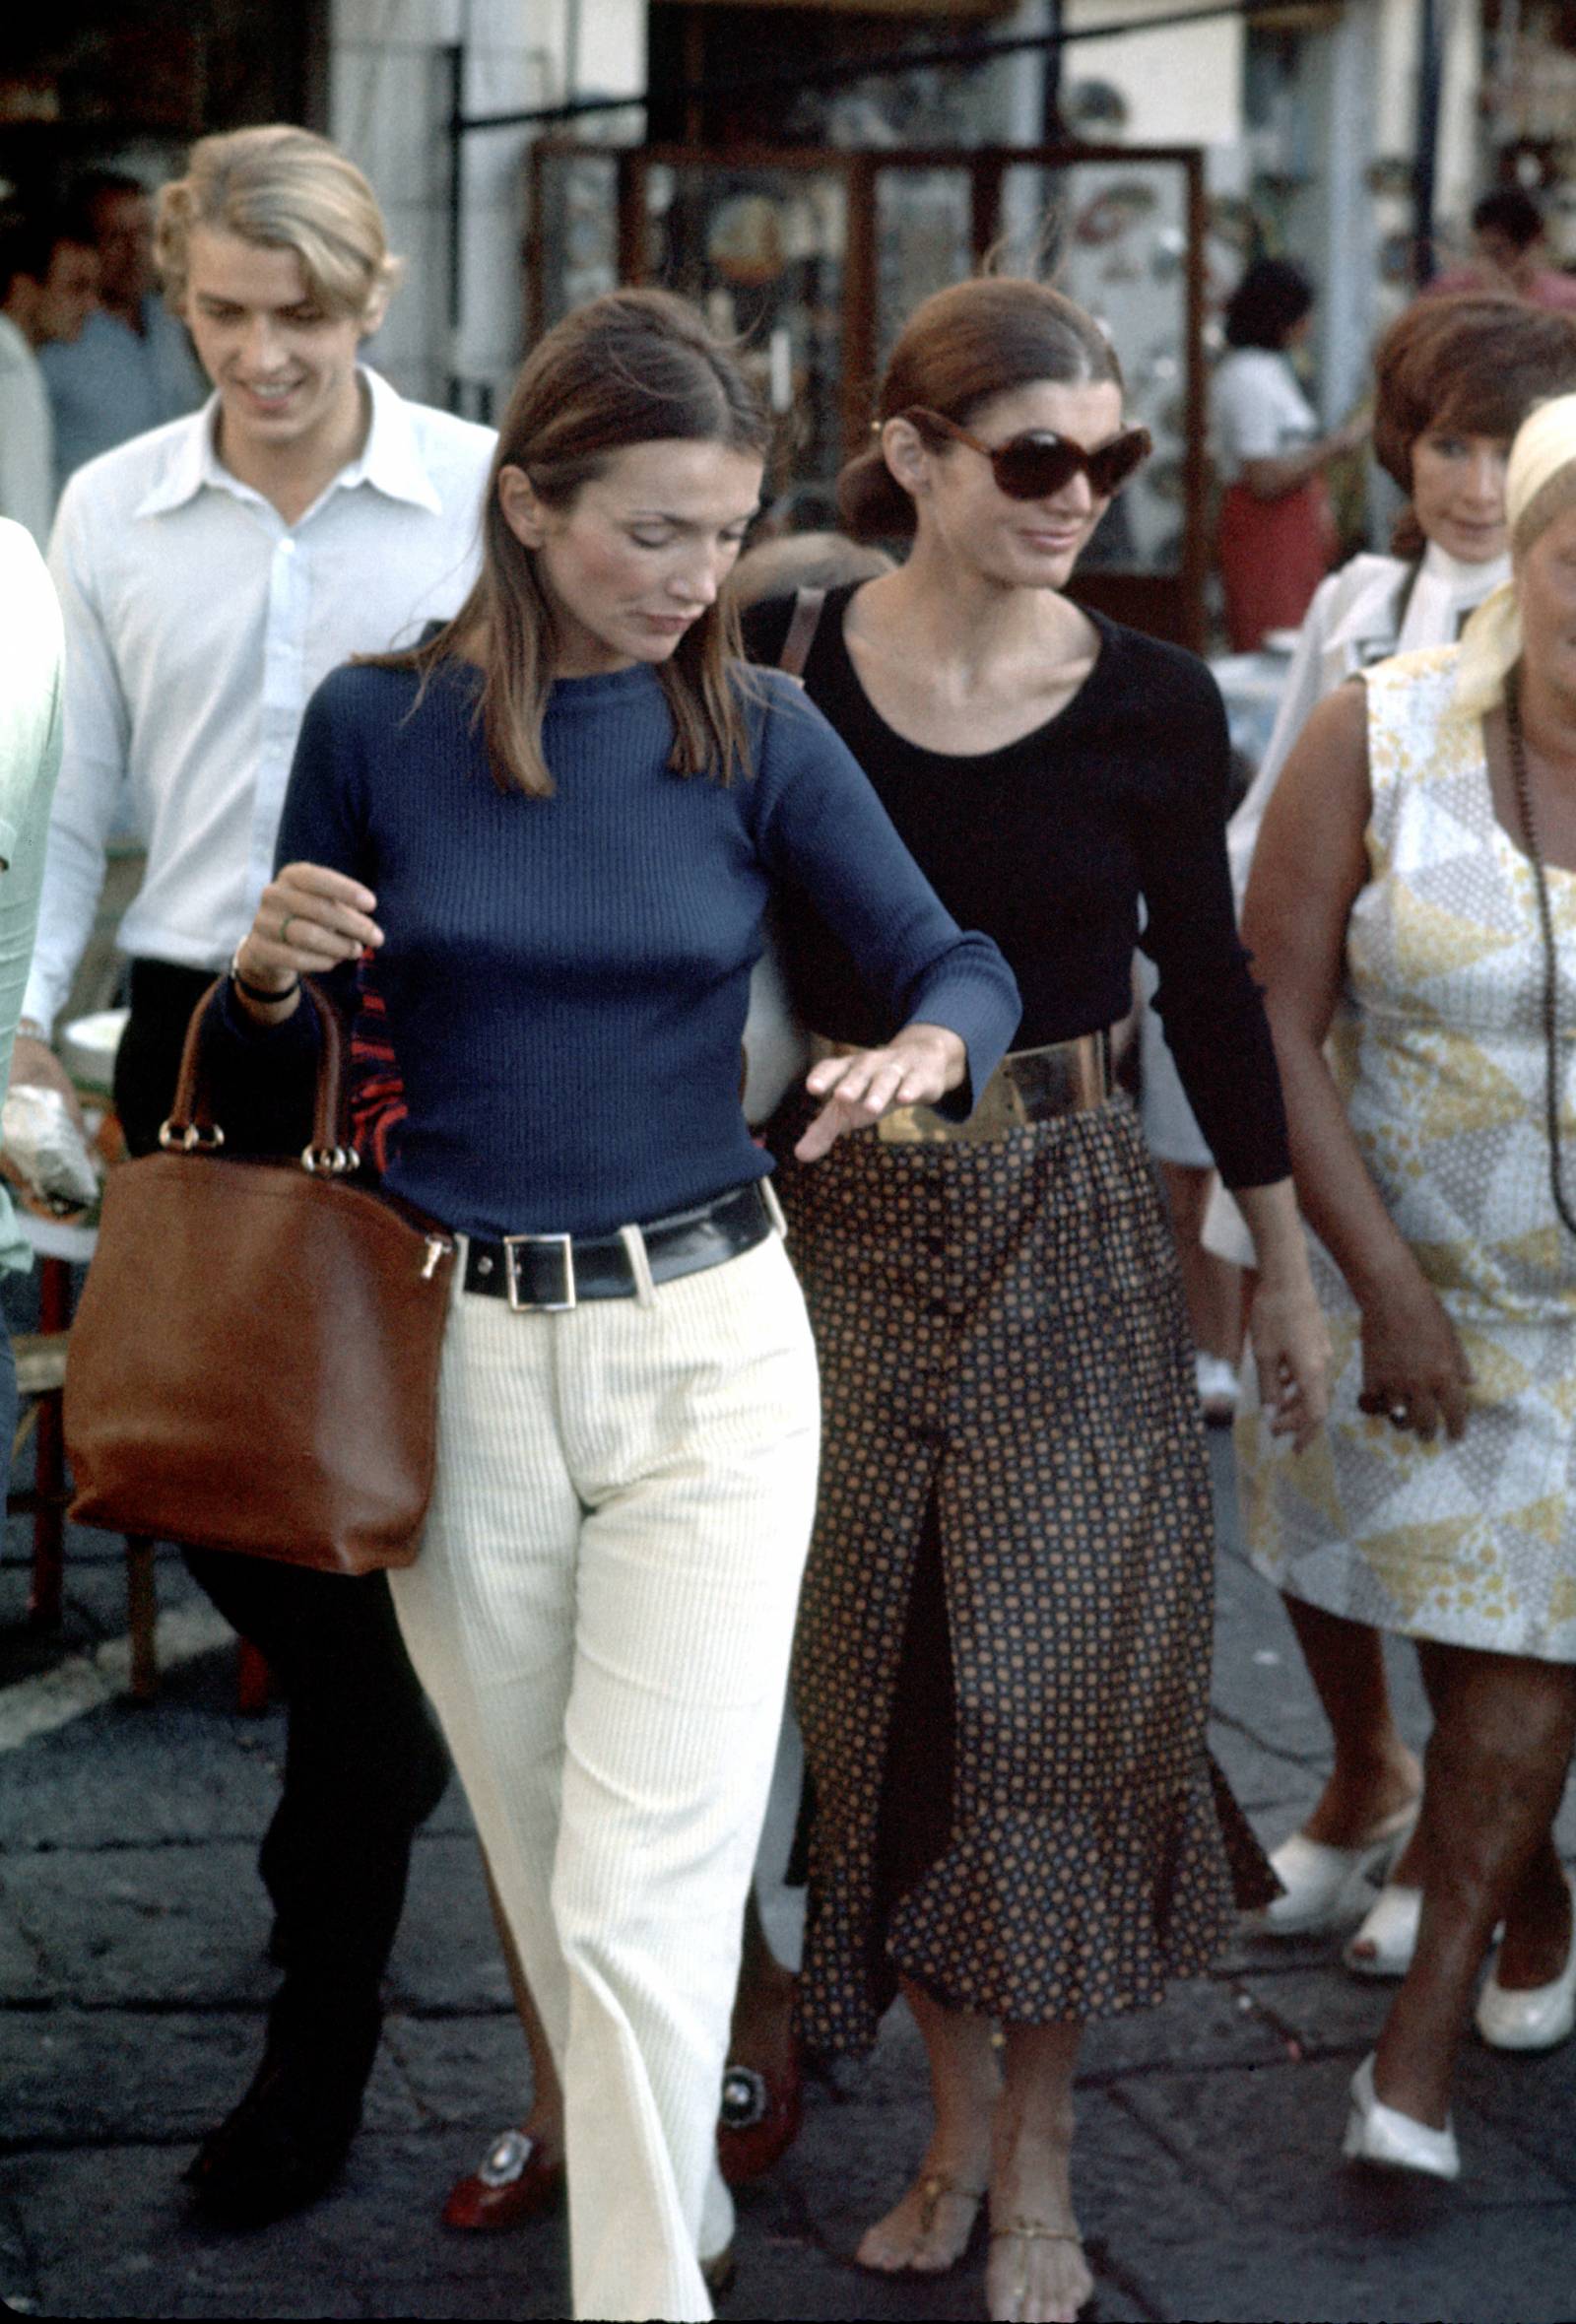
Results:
<point x="601" y="1613"/>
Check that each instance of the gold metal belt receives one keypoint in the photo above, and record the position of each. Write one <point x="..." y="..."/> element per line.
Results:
<point x="1028" y="1086"/>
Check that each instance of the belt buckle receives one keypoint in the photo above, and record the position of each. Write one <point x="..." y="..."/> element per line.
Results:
<point x="564" y="1245"/>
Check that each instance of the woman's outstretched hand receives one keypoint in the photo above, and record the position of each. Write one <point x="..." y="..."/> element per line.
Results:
<point x="309" y="921"/>
<point x="918" y="1068"/>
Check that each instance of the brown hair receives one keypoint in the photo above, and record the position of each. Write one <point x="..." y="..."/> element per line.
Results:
<point x="959" y="347"/>
<point x="285" y="189"/>
<point x="1476" y="360"/>
<point x="631" y="367"/>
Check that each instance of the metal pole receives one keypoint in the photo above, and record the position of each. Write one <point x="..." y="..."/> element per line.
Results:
<point x="1425" y="167"/>
<point x="454" y="61"/>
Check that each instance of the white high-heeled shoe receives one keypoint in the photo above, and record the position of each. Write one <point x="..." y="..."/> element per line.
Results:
<point x="1389" y="1926"/>
<point x="1327" y="1887"/>
<point x="1541" y="2017"/>
<point x="1381" y="2135"/>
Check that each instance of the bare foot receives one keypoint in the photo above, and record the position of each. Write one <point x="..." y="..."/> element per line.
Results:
<point x="929" y="2230"/>
<point x="1036" y="2273"/>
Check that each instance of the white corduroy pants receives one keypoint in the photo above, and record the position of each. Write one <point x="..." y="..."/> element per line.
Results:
<point x="601" y="1613"/>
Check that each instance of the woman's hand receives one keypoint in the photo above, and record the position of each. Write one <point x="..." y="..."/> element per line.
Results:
<point x="309" y="921"/>
<point x="1415" y="1373"/>
<point x="919" y="1067"/>
<point x="1291" y="1350"/>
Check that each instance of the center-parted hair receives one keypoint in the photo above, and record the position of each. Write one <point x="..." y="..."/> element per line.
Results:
<point x="631" y="367"/>
<point x="959" y="347"/>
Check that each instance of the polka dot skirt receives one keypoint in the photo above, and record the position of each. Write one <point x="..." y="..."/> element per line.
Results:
<point x="1001" y="1329"/>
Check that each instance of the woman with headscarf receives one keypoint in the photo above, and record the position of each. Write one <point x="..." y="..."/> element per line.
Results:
<point x="1455" y="377"/>
<point x="1412" y="903"/>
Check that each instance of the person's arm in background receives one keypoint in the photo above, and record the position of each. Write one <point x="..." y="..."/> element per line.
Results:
<point x="31" y="725"/>
<point x="1302" y="688"/>
<point x="26" y="453"/>
<point x="92" y="775"/>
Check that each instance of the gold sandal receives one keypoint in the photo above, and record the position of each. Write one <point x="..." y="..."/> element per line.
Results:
<point x="1034" y="2232"/>
<point x="933" y="2190"/>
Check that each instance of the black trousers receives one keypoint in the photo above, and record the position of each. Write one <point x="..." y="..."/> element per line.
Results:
<point x="364" y="1762"/>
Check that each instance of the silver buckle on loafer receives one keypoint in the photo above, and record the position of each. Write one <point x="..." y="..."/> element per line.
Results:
<point x="563" y="1244"/>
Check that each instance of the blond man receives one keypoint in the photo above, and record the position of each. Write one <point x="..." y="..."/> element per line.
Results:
<point x="210" y="572"/>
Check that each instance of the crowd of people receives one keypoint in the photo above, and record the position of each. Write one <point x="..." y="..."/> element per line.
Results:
<point x="877" y="1387"/>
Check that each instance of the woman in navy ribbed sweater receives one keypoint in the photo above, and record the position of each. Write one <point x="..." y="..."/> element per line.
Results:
<point x="558" y="821"/>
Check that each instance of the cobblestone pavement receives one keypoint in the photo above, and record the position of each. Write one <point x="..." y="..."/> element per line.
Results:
<point x="132" y="1983"/>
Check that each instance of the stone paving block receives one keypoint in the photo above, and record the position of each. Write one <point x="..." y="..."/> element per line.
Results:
<point x="447" y="1954"/>
<point x="1201" y="2023"/>
<point x="470" y="2070"/>
<point x="22" y="1975"/>
<point x="89" y="2077"/>
<point x="1276" y="1791"/>
<point x="1326" y="2010"/>
<point x="1410" y="2255"/>
<point x="1532" y="2100"/>
<point x="138" y="1925"/>
<point x="174" y="1770"/>
<point x="1267" y="2144"/>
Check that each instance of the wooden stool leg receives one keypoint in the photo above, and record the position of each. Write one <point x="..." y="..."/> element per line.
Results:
<point x="48" y="1517"/>
<point x="142" y="1617"/>
<point x="50" y="1463"/>
<point x="251" y="1678"/>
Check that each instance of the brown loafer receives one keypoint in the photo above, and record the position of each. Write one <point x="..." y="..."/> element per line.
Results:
<point x="515" y="2180"/>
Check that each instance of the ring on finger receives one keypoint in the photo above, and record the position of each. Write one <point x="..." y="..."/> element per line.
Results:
<point x="1398" y="1416"/>
<point x="284" y="927"/>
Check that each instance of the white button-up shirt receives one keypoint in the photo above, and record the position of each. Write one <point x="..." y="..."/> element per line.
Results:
<point x="197" y="624"/>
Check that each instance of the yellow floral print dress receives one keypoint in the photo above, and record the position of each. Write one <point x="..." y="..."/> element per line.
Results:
<point x="1438" y="1048"/>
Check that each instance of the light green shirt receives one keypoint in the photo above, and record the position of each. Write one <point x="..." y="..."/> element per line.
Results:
<point x="32" y="667"/>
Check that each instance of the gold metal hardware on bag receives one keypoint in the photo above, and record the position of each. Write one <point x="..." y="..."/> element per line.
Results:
<point x="1028" y="1086"/>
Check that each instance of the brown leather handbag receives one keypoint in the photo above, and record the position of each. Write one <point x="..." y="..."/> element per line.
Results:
<point x="254" y="1360"/>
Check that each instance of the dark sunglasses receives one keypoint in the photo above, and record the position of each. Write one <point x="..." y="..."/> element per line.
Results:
<point x="1031" y="467"/>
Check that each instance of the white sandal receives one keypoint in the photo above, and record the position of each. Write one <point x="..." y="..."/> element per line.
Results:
<point x="1326" y="1886"/>
<point x="1532" y="2017"/>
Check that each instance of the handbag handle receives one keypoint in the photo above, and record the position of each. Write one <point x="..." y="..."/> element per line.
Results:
<point x="192" y="1129"/>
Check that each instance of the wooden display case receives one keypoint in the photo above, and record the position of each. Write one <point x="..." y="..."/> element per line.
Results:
<point x="814" y="256"/>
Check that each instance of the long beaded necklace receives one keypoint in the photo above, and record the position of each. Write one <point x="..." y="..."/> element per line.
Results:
<point x="1522" y="785"/>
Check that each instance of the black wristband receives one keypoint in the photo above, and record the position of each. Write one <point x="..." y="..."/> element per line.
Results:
<point x="260" y="993"/>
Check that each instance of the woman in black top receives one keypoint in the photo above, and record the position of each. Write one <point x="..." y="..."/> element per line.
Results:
<point x="1003" y="1654"/>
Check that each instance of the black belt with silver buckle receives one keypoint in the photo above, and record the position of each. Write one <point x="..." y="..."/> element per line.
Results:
<point x="555" y="1272"/>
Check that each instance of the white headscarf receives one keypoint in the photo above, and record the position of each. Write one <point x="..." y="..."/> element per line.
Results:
<point x="1490" y="644"/>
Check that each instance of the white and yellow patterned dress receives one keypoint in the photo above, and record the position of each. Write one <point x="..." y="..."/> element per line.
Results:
<point x="1438" y="1048"/>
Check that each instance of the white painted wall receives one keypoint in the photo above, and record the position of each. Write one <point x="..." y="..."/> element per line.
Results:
<point x="388" y="106"/>
<point x="1183" y="87"/>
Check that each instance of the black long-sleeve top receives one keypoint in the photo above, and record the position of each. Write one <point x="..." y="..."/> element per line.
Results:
<point x="1049" y="845"/>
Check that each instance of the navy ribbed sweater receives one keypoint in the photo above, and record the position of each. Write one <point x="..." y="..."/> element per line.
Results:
<point x="566" y="979"/>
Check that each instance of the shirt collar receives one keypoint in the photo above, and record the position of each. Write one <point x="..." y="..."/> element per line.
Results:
<point x="391" y="460"/>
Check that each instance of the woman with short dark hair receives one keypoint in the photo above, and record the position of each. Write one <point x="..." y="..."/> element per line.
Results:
<point x="1277" y="537"/>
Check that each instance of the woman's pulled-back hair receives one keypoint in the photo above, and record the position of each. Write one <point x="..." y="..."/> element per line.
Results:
<point x="1272" y="297"/>
<point x="1474" y="362"/>
<point x="284" y="189"/>
<point x="631" y="367"/>
<point x="959" y="347"/>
